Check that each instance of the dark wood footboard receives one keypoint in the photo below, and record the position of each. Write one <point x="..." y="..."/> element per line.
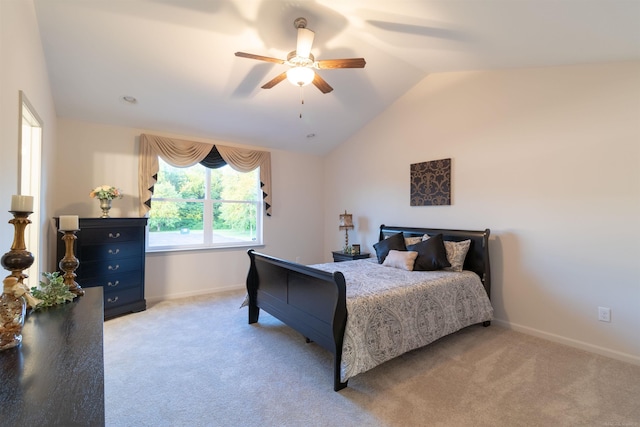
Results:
<point x="311" y="301"/>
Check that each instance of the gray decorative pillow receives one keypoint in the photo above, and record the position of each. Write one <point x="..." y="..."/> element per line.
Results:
<point x="456" y="253"/>
<point x="412" y="240"/>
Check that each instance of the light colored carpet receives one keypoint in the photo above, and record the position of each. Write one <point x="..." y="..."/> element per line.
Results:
<point x="196" y="362"/>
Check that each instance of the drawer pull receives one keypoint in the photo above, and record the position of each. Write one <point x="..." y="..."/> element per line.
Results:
<point x="114" y="268"/>
<point x="112" y="252"/>
<point x="113" y="285"/>
<point x="114" y="236"/>
<point x="112" y="300"/>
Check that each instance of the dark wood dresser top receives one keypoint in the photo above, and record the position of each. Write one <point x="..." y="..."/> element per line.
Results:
<point x="56" y="376"/>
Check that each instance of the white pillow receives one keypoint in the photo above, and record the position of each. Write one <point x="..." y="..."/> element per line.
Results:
<point x="401" y="259"/>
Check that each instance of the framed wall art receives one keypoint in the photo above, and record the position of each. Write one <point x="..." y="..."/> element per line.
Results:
<point x="431" y="183"/>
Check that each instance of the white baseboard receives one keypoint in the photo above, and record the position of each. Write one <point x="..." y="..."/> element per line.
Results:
<point x="153" y="300"/>
<point x="613" y="354"/>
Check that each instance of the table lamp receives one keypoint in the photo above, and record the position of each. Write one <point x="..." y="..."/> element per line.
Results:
<point x="346" y="224"/>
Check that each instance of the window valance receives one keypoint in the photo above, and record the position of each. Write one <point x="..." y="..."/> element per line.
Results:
<point x="181" y="153"/>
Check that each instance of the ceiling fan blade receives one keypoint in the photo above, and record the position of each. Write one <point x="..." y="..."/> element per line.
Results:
<point x="274" y="81"/>
<point x="305" y="40"/>
<point x="340" y="63"/>
<point x="321" y="84"/>
<point x="259" y="58"/>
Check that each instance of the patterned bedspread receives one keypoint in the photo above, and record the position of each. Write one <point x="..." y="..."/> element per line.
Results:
<point x="392" y="311"/>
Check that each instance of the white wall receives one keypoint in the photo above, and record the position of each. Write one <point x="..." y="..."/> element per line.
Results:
<point x="548" y="159"/>
<point x="22" y="67"/>
<point x="109" y="155"/>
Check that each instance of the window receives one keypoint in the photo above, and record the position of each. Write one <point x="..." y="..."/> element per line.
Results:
<point x="197" y="207"/>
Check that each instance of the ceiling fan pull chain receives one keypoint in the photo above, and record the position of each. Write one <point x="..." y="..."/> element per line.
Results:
<point x="301" y="100"/>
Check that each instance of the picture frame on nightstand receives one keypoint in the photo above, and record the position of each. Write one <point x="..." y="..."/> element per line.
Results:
<point x="355" y="249"/>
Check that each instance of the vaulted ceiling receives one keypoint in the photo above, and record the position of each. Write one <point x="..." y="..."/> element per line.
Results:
<point x="176" y="58"/>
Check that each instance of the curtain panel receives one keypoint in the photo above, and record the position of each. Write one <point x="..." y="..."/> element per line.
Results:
<point x="181" y="153"/>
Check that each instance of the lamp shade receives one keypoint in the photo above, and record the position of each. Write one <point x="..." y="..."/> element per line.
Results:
<point x="346" y="221"/>
<point x="300" y="76"/>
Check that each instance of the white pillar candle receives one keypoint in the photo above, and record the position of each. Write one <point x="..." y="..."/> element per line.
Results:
<point x="21" y="203"/>
<point x="69" y="222"/>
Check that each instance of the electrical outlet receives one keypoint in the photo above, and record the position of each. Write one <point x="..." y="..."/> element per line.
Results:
<point x="604" y="314"/>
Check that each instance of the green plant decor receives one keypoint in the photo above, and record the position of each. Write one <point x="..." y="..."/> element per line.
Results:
<point x="53" y="291"/>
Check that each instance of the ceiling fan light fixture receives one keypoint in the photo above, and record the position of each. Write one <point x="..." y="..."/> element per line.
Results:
<point x="300" y="76"/>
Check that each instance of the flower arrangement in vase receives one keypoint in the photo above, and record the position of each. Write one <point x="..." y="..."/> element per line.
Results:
<point x="105" y="193"/>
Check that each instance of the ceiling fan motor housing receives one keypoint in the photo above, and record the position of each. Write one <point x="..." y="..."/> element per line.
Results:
<point x="300" y="23"/>
<point x="299" y="61"/>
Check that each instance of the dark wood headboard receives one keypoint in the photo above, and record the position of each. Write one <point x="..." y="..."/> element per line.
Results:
<point x="477" y="258"/>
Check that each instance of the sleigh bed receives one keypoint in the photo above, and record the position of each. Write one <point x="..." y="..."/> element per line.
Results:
<point x="364" y="312"/>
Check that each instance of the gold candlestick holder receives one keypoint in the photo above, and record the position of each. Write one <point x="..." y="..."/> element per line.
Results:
<point x="12" y="303"/>
<point x="69" y="263"/>
<point x="18" y="258"/>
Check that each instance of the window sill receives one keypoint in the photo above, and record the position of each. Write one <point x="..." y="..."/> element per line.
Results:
<point x="243" y="247"/>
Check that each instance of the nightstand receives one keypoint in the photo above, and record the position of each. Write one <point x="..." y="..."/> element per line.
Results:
<point x="339" y="256"/>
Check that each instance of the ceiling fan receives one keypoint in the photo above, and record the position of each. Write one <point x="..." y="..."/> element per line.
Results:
<point x="302" y="62"/>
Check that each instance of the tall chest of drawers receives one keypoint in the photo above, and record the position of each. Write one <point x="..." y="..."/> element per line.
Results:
<point x="111" y="253"/>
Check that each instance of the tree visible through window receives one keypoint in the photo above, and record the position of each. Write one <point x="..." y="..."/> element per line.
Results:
<point x="197" y="207"/>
